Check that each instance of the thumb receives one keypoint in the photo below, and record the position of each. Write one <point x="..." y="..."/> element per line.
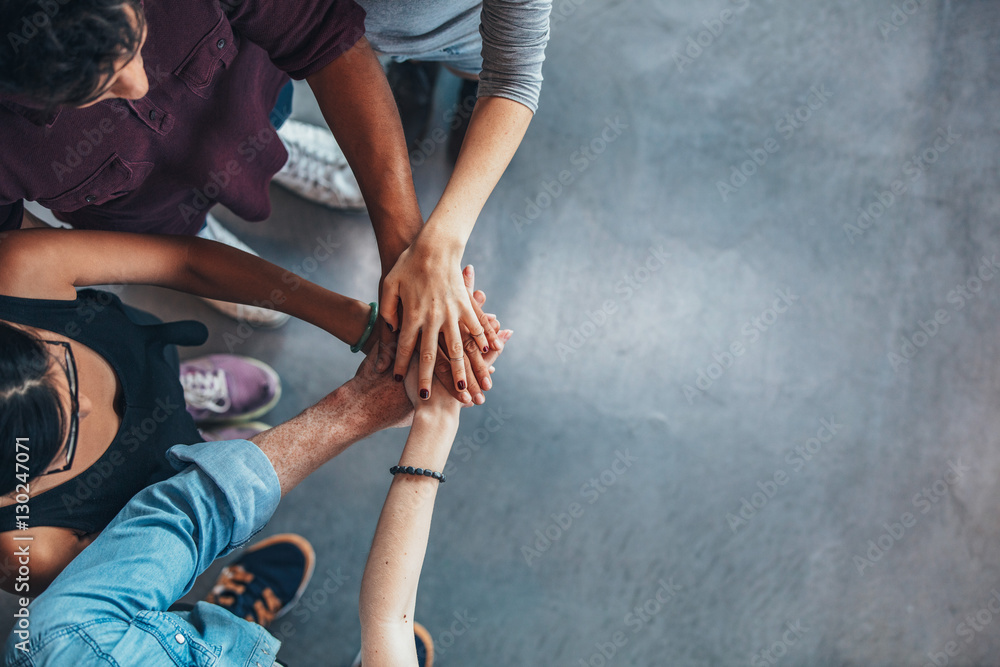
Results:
<point x="387" y="308"/>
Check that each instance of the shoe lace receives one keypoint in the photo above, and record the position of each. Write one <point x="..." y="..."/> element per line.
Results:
<point x="207" y="390"/>
<point x="232" y="584"/>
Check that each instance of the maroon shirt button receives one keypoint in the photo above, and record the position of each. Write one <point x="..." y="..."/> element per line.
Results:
<point x="221" y="44"/>
<point x="90" y="199"/>
<point x="152" y="114"/>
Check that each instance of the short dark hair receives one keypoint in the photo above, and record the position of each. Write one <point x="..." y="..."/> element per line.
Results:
<point x="30" y="407"/>
<point x="59" y="52"/>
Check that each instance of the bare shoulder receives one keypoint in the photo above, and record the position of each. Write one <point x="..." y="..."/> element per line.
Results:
<point x="45" y="554"/>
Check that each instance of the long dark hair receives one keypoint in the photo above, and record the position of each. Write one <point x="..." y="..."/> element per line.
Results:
<point x="30" y="407"/>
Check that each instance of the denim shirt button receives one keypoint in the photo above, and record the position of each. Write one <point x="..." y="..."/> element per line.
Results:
<point x="179" y="637"/>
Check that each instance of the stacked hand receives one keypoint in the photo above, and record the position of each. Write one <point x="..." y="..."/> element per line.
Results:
<point x="395" y="406"/>
<point x="456" y="340"/>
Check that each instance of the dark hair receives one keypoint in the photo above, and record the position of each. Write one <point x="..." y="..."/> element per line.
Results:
<point x="60" y="52"/>
<point x="29" y="407"/>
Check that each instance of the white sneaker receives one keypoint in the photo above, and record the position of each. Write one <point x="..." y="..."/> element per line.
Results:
<point x="317" y="169"/>
<point x="253" y="315"/>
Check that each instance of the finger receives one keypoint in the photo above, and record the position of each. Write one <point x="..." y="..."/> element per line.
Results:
<point x="474" y="388"/>
<point x="428" y="354"/>
<point x="469" y="276"/>
<point x="456" y="355"/>
<point x="491" y="356"/>
<point x="476" y="365"/>
<point x="386" y="348"/>
<point x="477" y="324"/>
<point x="406" y="344"/>
<point x="488" y="337"/>
<point x="388" y="306"/>
<point x="442" y="371"/>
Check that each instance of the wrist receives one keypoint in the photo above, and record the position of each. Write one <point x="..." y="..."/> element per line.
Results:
<point x="438" y="243"/>
<point x="358" y="316"/>
<point x="436" y="418"/>
<point x="394" y="234"/>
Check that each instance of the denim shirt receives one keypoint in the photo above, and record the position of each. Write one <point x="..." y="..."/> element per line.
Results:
<point x="109" y="606"/>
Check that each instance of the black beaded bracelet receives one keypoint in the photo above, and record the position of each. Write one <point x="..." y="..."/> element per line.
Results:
<point x="410" y="470"/>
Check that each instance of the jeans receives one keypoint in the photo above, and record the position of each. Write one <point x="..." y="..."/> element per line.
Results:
<point x="283" y="107"/>
<point x="110" y="605"/>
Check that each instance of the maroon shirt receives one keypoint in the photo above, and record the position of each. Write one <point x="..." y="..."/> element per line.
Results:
<point x="200" y="136"/>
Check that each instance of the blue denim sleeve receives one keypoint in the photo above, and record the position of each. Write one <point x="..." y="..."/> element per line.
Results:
<point x="168" y="534"/>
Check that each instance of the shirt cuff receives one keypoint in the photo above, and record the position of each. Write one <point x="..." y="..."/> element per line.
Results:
<point x="245" y="476"/>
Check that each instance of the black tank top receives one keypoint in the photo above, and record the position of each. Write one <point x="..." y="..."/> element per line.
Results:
<point x="139" y="348"/>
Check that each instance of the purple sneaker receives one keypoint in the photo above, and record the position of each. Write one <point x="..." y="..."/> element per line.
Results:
<point x="224" y="388"/>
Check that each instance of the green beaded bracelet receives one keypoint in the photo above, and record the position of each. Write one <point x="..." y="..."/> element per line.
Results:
<point x="368" y="329"/>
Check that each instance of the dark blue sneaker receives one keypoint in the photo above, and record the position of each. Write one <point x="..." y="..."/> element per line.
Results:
<point x="267" y="580"/>
<point x="425" y="647"/>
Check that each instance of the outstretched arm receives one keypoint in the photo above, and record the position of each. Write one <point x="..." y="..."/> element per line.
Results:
<point x="52" y="263"/>
<point x="425" y="279"/>
<point x="389" y="584"/>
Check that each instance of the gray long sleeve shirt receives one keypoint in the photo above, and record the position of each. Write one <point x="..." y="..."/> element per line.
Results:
<point x="509" y="35"/>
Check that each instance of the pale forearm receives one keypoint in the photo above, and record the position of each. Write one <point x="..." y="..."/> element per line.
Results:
<point x="495" y="131"/>
<point x="389" y="584"/>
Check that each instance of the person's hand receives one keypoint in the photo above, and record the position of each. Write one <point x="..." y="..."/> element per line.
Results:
<point x="442" y="399"/>
<point x="434" y="299"/>
<point x="476" y="367"/>
<point x="385" y="401"/>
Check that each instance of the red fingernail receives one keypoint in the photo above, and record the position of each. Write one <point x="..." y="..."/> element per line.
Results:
<point x="461" y="385"/>
<point x="397" y="377"/>
<point x="486" y="348"/>
<point x="390" y="327"/>
<point x="424" y="394"/>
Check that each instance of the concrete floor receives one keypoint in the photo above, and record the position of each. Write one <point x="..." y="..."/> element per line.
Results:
<point x="708" y="453"/>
